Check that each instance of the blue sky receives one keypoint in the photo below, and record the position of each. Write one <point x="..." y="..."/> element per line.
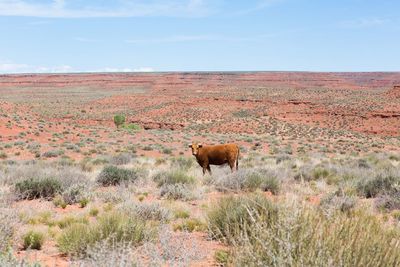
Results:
<point x="199" y="35"/>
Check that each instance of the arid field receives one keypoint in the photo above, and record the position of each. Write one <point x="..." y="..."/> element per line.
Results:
<point x="318" y="181"/>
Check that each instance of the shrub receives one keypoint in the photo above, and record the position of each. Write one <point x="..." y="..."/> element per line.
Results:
<point x="121" y="159"/>
<point x="181" y="214"/>
<point x="132" y="126"/>
<point x="366" y="243"/>
<point x="183" y="163"/>
<point x="221" y="257"/>
<point x="146" y="211"/>
<point x="37" y="180"/>
<point x="3" y="155"/>
<point x="119" y="120"/>
<point x="338" y="201"/>
<point x="167" y="151"/>
<point x="52" y="153"/>
<point x="282" y="157"/>
<point x="33" y="240"/>
<point x="74" y="194"/>
<point x="304" y="174"/>
<point x="112" y="175"/>
<point x="233" y="215"/>
<point x="191" y="225"/>
<point x="69" y="220"/>
<point x="271" y="184"/>
<point x="9" y="259"/>
<point x="250" y="180"/>
<point x="83" y="202"/>
<point x="94" y="212"/>
<point x="388" y="202"/>
<point x="121" y="227"/>
<point x="75" y="239"/>
<point x="382" y="183"/>
<point x="173" y="177"/>
<point x="86" y="165"/>
<point x="319" y="173"/>
<point x="177" y="191"/>
<point x="9" y="221"/>
<point x="303" y="236"/>
<point x="38" y="188"/>
<point x="114" y="227"/>
<point x="104" y="254"/>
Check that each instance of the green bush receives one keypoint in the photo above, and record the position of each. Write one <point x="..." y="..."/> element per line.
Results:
<point x="338" y="201"/>
<point x="388" y="202"/>
<point x="38" y="188"/>
<point x="177" y="191"/>
<point x="69" y="220"/>
<point x="146" y="211"/>
<point x="119" y="120"/>
<point x="52" y="153"/>
<point x="183" y="163"/>
<point x="173" y="177"/>
<point x="121" y="159"/>
<point x="181" y="214"/>
<point x="252" y="181"/>
<point x="303" y="236"/>
<point x="113" y="227"/>
<point x="9" y="259"/>
<point x="233" y="215"/>
<point x="3" y="155"/>
<point x="379" y="184"/>
<point x="74" y="194"/>
<point x="33" y="240"/>
<point x="112" y="175"/>
<point x="190" y="225"/>
<point x="132" y="126"/>
<point x="8" y="226"/>
<point x="75" y="239"/>
<point x="249" y="180"/>
<point x="319" y="173"/>
<point x="221" y="257"/>
<point x="167" y="151"/>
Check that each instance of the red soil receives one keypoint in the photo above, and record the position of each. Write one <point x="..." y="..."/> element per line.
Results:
<point x="199" y="103"/>
<point x="395" y="92"/>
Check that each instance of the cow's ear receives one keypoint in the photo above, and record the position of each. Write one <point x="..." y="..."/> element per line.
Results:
<point x="190" y="146"/>
<point x="200" y="145"/>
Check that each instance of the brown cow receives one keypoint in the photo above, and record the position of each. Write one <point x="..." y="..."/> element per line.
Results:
<point x="215" y="155"/>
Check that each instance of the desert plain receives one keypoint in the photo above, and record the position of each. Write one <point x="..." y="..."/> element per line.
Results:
<point x="317" y="185"/>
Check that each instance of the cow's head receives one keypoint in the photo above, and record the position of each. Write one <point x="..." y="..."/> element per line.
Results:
<point x="195" y="148"/>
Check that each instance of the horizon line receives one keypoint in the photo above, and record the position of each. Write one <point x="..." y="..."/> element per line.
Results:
<point x="190" y="71"/>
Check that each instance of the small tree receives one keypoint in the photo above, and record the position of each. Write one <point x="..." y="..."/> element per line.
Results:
<point x="119" y="120"/>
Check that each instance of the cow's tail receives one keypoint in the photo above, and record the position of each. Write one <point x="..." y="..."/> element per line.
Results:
<point x="237" y="158"/>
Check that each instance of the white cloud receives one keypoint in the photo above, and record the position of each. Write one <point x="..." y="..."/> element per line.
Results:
<point x="110" y="69"/>
<point x="144" y="69"/>
<point x="126" y="8"/>
<point x="8" y="67"/>
<point x="11" y="68"/>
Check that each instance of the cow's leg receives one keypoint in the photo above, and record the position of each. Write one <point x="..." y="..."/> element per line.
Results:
<point x="237" y="158"/>
<point x="232" y="165"/>
<point x="209" y="169"/>
<point x="205" y="166"/>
